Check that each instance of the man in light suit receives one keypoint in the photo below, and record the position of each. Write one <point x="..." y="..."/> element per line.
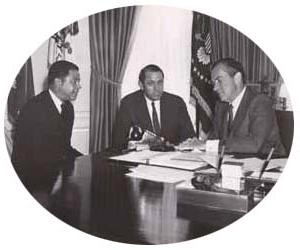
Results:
<point x="244" y="121"/>
<point x="44" y="128"/>
<point x="153" y="109"/>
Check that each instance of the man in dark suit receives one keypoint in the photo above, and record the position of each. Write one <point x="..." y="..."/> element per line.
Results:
<point x="153" y="109"/>
<point x="44" y="128"/>
<point x="244" y="121"/>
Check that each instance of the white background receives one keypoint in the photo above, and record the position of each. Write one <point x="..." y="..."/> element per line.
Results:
<point x="272" y="25"/>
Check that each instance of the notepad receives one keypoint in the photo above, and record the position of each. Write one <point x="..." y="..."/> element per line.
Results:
<point x="159" y="174"/>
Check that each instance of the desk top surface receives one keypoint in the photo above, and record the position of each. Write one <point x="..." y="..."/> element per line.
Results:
<point x="96" y="196"/>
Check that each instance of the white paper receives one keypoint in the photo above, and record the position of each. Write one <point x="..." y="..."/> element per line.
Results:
<point x="187" y="160"/>
<point x="211" y="158"/>
<point x="277" y="163"/>
<point x="212" y="145"/>
<point x="267" y="175"/>
<point x="160" y="174"/>
<point x="255" y="164"/>
<point x="231" y="183"/>
<point x="231" y="170"/>
<point x="138" y="156"/>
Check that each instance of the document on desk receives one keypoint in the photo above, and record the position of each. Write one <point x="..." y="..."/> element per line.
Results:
<point x="267" y="175"/>
<point x="143" y="156"/>
<point x="255" y="164"/>
<point x="248" y="164"/>
<point x="159" y="174"/>
<point x="181" y="160"/>
<point x="277" y="164"/>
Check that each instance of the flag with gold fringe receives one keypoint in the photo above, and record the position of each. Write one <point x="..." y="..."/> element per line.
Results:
<point x="201" y="93"/>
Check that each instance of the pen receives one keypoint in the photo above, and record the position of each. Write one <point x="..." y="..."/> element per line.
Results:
<point x="266" y="163"/>
<point x="221" y="157"/>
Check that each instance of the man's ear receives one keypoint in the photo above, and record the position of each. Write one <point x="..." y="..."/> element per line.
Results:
<point x="238" y="79"/>
<point x="57" y="82"/>
<point x="141" y="85"/>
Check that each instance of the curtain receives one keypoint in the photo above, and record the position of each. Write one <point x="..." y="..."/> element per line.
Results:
<point x="110" y="41"/>
<point x="228" y="42"/>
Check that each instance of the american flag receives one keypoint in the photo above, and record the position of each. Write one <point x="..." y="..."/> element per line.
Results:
<point x="21" y="91"/>
<point x="202" y="96"/>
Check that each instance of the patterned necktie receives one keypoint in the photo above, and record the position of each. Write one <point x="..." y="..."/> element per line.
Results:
<point x="155" y="121"/>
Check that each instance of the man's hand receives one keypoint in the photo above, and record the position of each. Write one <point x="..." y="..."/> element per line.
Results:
<point x="191" y="144"/>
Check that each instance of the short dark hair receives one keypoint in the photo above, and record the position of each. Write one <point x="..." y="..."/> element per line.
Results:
<point x="149" y="68"/>
<point x="231" y="65"/>
<point x="60" y="69"/>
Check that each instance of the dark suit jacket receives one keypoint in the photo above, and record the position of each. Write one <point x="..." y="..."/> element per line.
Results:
<point x="176" y="124"/>
<point x="254" y="128"/>
<point x="42" y="139"/>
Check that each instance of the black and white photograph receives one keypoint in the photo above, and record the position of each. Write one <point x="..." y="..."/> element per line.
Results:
<point x="149" y="125"/>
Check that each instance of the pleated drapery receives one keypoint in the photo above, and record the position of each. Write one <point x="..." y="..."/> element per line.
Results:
<point x="228" y="42"/>
<point x="110" y="41"/>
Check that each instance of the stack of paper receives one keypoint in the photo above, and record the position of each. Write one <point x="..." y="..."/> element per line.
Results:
<point x="273" y="170"/>
<point x="277" y="163"/>
<point x="181" y="160"/>
<point x="159" y="174"/>
<point x="254" y="165"/>
<point x="187" y="161"/>
<point x="267" y="175"/>
<point x="138" y="156"/>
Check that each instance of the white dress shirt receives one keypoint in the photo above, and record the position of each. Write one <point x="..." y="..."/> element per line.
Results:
<point x="56" y="101"/>
<point x="157" y="107"/>
<point x="236" y="102"/>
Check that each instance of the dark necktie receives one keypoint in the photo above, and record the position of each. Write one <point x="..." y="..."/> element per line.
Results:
<point x="66" y="112"/>
<point x="67" y="117"/>
<point x="155" y="121"/>
<point x="230" y="118"/>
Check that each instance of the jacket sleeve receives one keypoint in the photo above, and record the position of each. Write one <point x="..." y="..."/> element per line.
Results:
<point x="214" y="132"/>
<point x="186" y="126"/>
<point x="22" y="138"/>
<point x="121" y="127"/>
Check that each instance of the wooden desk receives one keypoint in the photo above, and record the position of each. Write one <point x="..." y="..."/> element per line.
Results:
<point x="97" y="197"/>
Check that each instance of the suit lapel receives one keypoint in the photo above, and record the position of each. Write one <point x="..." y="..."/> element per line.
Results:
<point x="223" y="119"/>
<point x="164" y="115"/>
<point x="143" y="113"/>
<point x="53" y="114"/>
<point x="241" y="112"/>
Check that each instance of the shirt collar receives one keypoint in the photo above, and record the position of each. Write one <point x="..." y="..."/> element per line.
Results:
<point x="157" y="107"/>
<point x="56" y="100"/>
<point x="149" y="102"/>
<point x="236" y="102"/>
